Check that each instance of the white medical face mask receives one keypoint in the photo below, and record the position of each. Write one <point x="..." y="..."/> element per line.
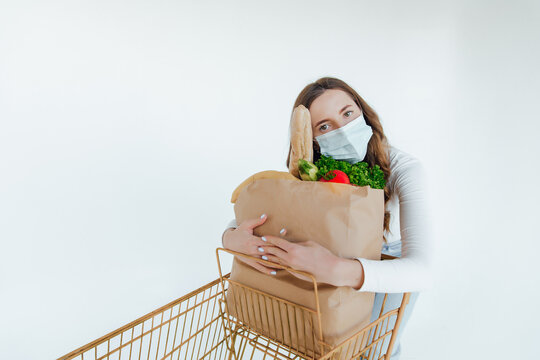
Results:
<point x="348" y="143"/>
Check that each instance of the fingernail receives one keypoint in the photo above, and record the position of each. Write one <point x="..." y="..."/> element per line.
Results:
<point x="265" y="257"/>
<point x="282" y="231"/>
<point x="263" y="238"/>
<point x="273" y="273"/>
<point x="261" y="249"/>
<point x="263" y="215"/>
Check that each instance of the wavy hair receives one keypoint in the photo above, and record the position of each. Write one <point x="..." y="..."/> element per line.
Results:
<point x="377" y="151"/>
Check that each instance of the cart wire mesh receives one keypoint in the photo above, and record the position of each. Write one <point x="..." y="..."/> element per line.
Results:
<point x="199" y="325"/>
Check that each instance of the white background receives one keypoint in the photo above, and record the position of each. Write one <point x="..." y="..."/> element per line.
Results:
<point x="126" y="125"/>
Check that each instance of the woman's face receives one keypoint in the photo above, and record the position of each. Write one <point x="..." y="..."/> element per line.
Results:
<point x="332" y="110"/>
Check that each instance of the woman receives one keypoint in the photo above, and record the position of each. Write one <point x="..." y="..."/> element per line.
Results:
<point x="407" y="233"/>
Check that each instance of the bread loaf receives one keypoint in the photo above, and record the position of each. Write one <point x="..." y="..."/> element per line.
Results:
<point x="301" y="138"/>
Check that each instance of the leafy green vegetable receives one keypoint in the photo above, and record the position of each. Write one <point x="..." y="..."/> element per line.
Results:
<point x="359" y="173"/>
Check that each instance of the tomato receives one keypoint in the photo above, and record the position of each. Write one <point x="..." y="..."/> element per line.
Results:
<point x="336" y="176"/>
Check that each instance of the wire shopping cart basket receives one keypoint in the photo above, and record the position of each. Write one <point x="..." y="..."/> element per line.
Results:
<point x="200" y="325"/>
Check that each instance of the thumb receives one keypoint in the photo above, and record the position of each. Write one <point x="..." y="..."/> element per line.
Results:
<point x="250" y="224"/>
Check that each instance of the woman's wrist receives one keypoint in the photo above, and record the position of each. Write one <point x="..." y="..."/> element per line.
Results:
<point x="348" y="272"/>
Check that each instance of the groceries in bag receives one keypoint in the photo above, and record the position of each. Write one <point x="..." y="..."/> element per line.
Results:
<point x="346" y="219"/>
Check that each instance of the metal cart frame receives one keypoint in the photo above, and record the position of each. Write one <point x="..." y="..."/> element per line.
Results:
<point x="198" y="326"/>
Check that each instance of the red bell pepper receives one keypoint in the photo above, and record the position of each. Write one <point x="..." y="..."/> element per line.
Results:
<point x="335" y="176"/>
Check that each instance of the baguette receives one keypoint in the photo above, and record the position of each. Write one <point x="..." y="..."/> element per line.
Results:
<point x="301" y="139"/>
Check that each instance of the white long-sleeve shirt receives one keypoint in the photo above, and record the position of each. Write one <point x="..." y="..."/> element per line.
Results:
<point x="410" y="232"/>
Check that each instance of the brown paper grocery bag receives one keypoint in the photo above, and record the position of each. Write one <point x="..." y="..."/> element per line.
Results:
<point x="346" y="219"/>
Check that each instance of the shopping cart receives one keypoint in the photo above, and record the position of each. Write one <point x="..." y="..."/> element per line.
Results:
<point x="200" y="325"/>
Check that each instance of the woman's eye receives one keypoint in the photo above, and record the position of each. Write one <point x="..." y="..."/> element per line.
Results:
<point x="321" y="128"/>
<point x="350" y="111"/>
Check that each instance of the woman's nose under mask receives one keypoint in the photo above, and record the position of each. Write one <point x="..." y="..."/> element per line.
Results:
<point x="348" y="143"/>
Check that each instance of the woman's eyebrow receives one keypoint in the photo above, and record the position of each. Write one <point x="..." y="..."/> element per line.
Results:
<point x="342" y="110"/>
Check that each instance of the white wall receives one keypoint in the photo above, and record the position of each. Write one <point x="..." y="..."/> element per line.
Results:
<point x="126" y="125"/>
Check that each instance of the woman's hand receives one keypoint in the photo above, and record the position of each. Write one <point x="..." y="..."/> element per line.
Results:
<point x="311" y="257"/>
<point x="243" y="241"/>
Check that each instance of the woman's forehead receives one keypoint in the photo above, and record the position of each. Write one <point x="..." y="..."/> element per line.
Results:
<point x="330" y="103"/>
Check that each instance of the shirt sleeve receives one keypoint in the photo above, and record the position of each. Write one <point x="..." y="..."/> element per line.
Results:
<point x="413" y="270"/>
<point x="231" y="224"/>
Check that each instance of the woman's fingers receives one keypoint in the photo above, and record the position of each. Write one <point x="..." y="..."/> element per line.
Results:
<point x="250" y="224"/>
<point x="263" y="240"/>
<point x="258" y="245"/>
<point x="260" y="267"/>
<point x="258" y="241"/>
<point x="269" y="248"/>
<point x="279" y="242"/>
<point x="263" y="269"/>
<point x="258" y="248"/>
<point x="277" y="252"/>
<point x="274" y="259"/>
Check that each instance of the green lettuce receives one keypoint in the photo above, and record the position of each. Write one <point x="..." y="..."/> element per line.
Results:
<point x="360" y="173"/>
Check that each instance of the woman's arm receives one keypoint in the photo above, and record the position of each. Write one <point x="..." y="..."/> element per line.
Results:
<point x="349" y="272"/>
<point x="413" y="271"/>
<point x="230" y="226"/>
